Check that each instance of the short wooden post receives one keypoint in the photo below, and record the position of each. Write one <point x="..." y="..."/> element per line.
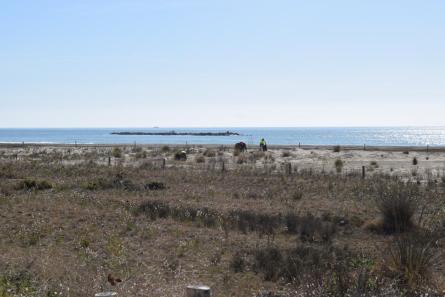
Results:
<point x="223" y="167"/>
<point x="106" y="294"/>
<point x="363" y="171"/>
<point x="163" y="163"/>
<point x="109" y="161"/>
<point x="288" y="168"/>
<point x="198" y="291"/>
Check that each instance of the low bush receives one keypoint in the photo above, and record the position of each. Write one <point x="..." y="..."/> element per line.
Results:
<point x="161" y="210"/>
<point x="397" y="204"/>
<point x="297" y="195"/>
<point x="153" y="186"/>
<point x="116" y="152"/>
<point x="141" y="155"/>
<point x="200" y="159"/>
<point x="415" y="162"/>
<point x="314" y="229"/>
<point x="114" y="183"/>
<point x="338" y="165"/>
<point x="238" y="263"/>
<point x="413" y="258"/>
<point x="17" y="284"/>
<point x="269" y="262"/>
<point x="180" y="156"/>
<point x="30" y="184"/>
<point x="309" y="228"/>
<point x="298" y="264"/>
<point x="286" y="154"/>
<point x="336" y="149"/>
<point x="210" y="153"/>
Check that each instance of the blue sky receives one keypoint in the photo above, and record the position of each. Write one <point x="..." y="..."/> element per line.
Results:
<point x="134" y="63"/>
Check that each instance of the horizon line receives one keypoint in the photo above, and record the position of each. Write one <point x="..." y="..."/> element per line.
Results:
<point x="225" y="127"/>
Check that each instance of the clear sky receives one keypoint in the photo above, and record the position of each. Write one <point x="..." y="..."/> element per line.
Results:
<point x="144" y="63"/>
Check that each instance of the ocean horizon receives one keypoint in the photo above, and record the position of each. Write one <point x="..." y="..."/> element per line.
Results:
<point x="372" y="136"/>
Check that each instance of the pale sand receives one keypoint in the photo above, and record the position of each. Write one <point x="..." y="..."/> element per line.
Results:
<point x="386" y="160"/>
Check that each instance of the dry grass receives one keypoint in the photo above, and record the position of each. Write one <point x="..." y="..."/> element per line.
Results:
<point x="243" y="231"/>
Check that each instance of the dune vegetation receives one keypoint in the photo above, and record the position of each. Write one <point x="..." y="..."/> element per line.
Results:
<point x="243" y="223"/>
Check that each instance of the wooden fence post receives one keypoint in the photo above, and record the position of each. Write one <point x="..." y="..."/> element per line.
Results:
<point x="223" y="167"/>
<point x="163" y="163"/>
<point x="198" y="291"/>
<point x="288" y="168"/>
<point x="363" y="171"/>
<point x="109" y="161"/>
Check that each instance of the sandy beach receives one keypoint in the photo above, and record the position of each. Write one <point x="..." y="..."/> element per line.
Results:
<point x="410" y="163"/>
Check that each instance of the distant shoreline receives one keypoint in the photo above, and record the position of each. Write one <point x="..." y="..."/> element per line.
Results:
<point x="383" y="148"/>
<point x="173" y="133"/>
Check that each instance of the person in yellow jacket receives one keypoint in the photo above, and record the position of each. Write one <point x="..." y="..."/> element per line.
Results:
<point x="263" y="145"/>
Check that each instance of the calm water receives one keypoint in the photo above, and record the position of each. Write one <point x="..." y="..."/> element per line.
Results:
<point x="404" y="136"/>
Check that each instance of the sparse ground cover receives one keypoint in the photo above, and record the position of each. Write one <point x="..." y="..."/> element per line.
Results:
<point x="70" y="216"/>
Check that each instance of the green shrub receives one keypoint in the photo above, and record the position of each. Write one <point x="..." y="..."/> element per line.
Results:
<point x="336" y="149"/>
<point x="116" y="152"/>
<point x="181" y="156"/>
<point x="165" y="149"/>
<point x="415" y="162"/>
<point x="338" y="165"/>
<point x="17" y="284"/>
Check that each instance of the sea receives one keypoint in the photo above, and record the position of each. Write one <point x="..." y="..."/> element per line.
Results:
<point x="372" y="136"/>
